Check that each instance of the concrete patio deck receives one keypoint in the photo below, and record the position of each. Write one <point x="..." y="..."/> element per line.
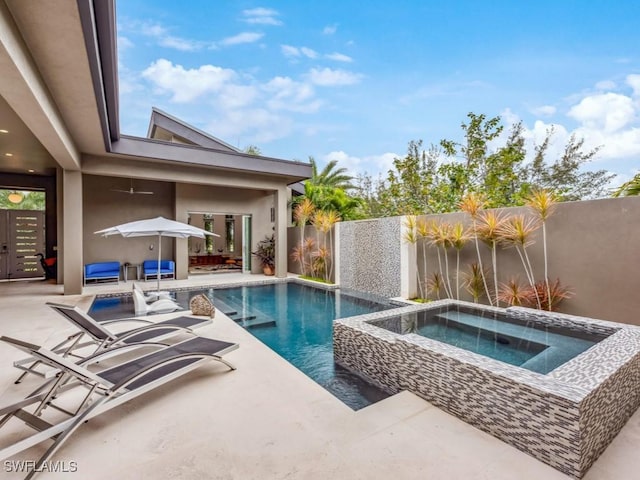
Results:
<point x="266" y="420"/>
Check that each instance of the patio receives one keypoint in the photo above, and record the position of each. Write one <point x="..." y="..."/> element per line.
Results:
<point x="267" y="420"/>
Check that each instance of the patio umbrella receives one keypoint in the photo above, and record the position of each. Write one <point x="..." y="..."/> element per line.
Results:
<point x="159" y="226"/>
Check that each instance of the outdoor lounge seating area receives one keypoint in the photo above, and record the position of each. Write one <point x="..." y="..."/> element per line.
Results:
<point x="102" y="272"/>
<point x="150" y="269"/>
<point x="378" y="441"/>
<point x="84" y="379"/>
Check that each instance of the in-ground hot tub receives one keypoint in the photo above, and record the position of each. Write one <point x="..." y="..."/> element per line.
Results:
<point x="570" y="386"/>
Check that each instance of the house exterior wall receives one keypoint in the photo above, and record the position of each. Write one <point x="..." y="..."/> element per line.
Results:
<point x="105" y="208"/>
<point x="205" y="198"/>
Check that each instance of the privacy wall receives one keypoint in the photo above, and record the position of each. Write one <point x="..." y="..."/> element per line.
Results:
<point x="370" y="256"/>
<point x="593" y="248"/>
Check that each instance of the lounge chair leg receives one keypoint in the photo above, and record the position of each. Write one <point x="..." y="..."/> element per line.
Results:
<point x="220" y="359"/>
<point x="62" y="436"/>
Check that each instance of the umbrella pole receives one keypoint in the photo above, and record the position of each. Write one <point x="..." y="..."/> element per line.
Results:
<point x="159" y="259"/>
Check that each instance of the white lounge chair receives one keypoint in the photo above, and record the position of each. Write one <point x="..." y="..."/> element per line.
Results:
<point x="162" y="305"/>
<point x="106" y="389"/>
<point x="152" y="296"/>
<point x="96" y="334"/>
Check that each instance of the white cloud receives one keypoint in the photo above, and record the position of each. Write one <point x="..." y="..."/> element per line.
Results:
<point x="124" y="43"/>
<point x="251" y="126"/>
<point x="287" y="94"/>
<point x="608" y="121"/>
<point x="185" y="85"/>
<point x="633" y="81"/>
<point x="244" y="37"/>
<point x="236" y="96"/>
<point x="609" y="112"/>
<point x="544" y="110"/>
<point x="307" y="52"/>
<point x="182" y="44"/>
<point x="261" y="16"/>
<point x="289" y="51"/>
<point x="328" y="77"/>
<point x="372" y="164"/>
<point x="339" y="57"/>
<point x="296" y="52"/>
<point x="606" y="85"/>
<point x="330" y="29"/>
<point x="164" y="39"/>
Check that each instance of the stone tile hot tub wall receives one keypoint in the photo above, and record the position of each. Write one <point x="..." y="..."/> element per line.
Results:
<point x="565" y="418"/>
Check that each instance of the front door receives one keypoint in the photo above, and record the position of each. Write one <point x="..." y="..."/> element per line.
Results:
<point x="21" y="237"/>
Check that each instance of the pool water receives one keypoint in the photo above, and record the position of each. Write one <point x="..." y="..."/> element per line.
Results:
<point x="292" y="319"/>
<point x="495" y="335"/>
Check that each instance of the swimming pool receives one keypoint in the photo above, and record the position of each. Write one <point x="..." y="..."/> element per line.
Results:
<point x="292" y="319"/>
<point x="537" y="347"/>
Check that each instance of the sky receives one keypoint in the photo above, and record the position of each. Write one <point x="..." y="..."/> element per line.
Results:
<point x="356" y="81"/>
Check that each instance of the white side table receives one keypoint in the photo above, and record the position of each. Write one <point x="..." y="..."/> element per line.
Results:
<point x="127" y="266"/>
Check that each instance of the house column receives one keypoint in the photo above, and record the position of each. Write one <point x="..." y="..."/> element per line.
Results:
<point x="282" y="222"/>
<point x="72" y="227"/>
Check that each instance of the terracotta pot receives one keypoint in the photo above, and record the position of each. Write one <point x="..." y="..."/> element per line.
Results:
<point x="267" y="270"/>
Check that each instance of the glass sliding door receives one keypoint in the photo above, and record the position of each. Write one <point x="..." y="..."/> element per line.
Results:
<point x="246" y="243"/>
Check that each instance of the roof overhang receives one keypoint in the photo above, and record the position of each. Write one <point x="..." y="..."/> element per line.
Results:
<point x="149" y="149"/>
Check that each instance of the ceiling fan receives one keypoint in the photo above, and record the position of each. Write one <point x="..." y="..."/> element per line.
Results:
<point x="131" y="190"/>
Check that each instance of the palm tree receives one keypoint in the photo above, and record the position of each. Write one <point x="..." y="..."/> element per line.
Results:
<point x="330" y="176"/>
<point x="302" y="213"/>
<point x="324" y="222"/>
<point x="630" y="188"/>
<point x="473" y="203"/>
<point x="516" y="232"/>
<point x="458" y="238"/>
<point x="543" y="204"/>
<point x="422" y="229"/>
<point x="474" y="282"/>
<point x="489" y="228"/>
<point x="440" y="237"/>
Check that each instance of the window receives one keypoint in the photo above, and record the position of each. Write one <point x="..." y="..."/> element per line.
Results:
<point x="208" y="226"/>
<point x="230" y="227"/>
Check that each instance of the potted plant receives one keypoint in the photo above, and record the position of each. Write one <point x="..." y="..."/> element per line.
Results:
<point x="266" y="252"/>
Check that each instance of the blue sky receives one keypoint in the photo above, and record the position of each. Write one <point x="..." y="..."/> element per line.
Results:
<point x="356" y="81"/>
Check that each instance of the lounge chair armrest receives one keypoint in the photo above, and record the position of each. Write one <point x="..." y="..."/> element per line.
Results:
<point x="111" y="351"/>
<point x="124" y="320"/>
<point x="162" y="363"/>
<point x="148" y="328"/>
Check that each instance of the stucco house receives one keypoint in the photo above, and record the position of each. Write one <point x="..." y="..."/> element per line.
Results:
<point x="60" y="133"/>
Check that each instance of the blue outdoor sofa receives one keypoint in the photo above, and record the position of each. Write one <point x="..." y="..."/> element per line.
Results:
<point x="102" y="271"/>
<point x="167" y="269"/>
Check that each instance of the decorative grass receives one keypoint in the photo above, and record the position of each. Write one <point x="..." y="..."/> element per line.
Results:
<point x="316" y="279"/>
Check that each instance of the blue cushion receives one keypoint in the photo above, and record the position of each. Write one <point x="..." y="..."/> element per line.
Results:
<point x="151" y="266"/>
<point x="102" y="269"/>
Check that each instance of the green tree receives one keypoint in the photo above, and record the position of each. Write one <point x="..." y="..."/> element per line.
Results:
<point x="629" y="189"/>
<point x="31" y="200"/>
<point x="474" y="151"/>
<point x="565" y="177"/>
<point x="408" y="189"/>
<point x="252" y="150"/>
<point x="327" y="198"/>
<point x="328" y="190"/>
<point x="330" y="176"/>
